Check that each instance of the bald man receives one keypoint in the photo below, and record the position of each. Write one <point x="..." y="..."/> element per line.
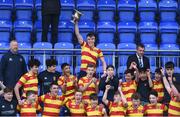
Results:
<point x="12" y="66"/>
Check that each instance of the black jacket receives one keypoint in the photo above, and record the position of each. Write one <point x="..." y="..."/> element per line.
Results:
<point x="113" y="83"/>
<point x="51" y="7"/>
<point x="7" y="108"/>
<point x="12" y="67"/>
<point x="133" y="58"/>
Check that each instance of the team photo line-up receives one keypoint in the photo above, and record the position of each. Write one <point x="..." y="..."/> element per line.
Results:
<point x="30" y="93"/>
<point x="27" y="91"/>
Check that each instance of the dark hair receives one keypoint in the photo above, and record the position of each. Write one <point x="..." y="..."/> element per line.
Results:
<point x="142" y="70"/>
<point x="169" y="64"/>
<point x="64" y="65"/>
<point x="53" y="83"/>
<point x="90" y="34"/>
<point x="136" y="96"/>
<point x="129" y="71"/>
<point x="93" y="96"/>
<point x="90" y="65"/>
<point x="33" y="62"/>
<point x="30" y="92"/>
<point x="140" y="45"/>
<point x="117" y="93"/>
<point x="110" y="66"/>
<point x="7" y="90"/>
<point x="51" y="62"/>
<point x="153" y="92"/>
<point x="158" y="71"/>
<point x="78" y="90"/>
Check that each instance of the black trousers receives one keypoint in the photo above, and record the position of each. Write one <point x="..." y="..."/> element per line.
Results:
<point x="47" y="20"/>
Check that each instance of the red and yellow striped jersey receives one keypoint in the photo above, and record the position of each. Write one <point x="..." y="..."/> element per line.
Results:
<point x="52" y="104"/>
<point x="174" y="106"/>
<point x="159" y="87"/>
<point x="89" y="55"/>
<point x="128" y="88"/>
<point x="70" y="86"/>
<point x="138" y="112"/>
<point x="97" y="111"/>
<point x="29" y="109"/>
<point x="76" y="110"/>
<point x="116" y="109"/>
<point x="28" y="82"/>
<point x="91" y="89"/>
<point x="154" y="110"/>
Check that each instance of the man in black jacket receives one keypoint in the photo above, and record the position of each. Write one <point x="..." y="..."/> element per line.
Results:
<point x="138" y="58"/>
<point x="50" y="16"/>
<point x="12" y="66"/>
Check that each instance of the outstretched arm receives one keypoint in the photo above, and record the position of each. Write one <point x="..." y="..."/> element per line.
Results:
<point x="78" y="35"/>
<point x="104" y="99"/>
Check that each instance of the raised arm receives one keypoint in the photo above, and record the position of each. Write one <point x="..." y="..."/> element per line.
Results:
<point x="149" y="78"/>
<point x="78" y="35"/>
<point x="174" y="89"/>
<point x="122" y="97"/>
<point x="104" y="65"/>
<point x="104" y="99"/>
<point x="166" y="84"/>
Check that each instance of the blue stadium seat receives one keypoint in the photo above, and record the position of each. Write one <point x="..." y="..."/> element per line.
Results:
<point x="85" y="27"/>
<point x="38" y="9"/>
<point x="40" y="54"/>
<point x="77" y="70"/>
<point x="172" y="55"/>
<point x="4" y="48"/>
<point x="168" y="32"/>
<point x="78" y="55"/>
<point x="108" y="55"/>
<point x="123" y="56"/>
<point x="152" y="55"/>
<point x="24" y="9"/>
<point x="66" y="31"/>
<point x="87" y="7"/>
<point x="168" y="9"/>
<point x="121" y="70"/>
<point x="106" y="8"/>
<point x="106" y="31"/>
<point x="5" y="31"/>
<point x="148" y="32"/>
<point x="127" y="10"/>
<point x="147" y="10"/>
<point x="67" y="7"/>
<point x="22" y="31"/>
<point x="6" y="7"/>
<point x="127" y="32"/>
<point x="38" y="31"/>
<point x="24" y="50"/>
<point x="63" y="56"/>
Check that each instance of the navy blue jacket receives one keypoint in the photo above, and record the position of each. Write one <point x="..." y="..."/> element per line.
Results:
<point x="7" y="108"/>
<point x="12" y="67"/>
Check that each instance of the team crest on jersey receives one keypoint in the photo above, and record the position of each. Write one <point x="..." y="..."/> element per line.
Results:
<point x="174" y="79"/>
<point x="54" y="78"/>
<point x="11" y="106"/>
<point x="10" y="59"/>
<point x="3" y="106"/>
<point x="20" y="60"/>
<point x="45" y="78"/>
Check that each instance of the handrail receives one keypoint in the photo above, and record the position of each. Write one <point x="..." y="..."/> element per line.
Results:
<point x="106" y="50"/>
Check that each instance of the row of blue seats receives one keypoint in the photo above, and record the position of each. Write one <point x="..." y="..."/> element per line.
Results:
<point x="106" y="31"/>
<point x="68" y="55"/>
<point x="147" y="9"/>
<point x="65" y="55"/>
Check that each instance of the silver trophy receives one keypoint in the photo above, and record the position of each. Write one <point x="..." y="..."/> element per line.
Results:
<point x="76" y="16"/>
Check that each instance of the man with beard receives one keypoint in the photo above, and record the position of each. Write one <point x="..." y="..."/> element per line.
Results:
<point x="12" y="66"/>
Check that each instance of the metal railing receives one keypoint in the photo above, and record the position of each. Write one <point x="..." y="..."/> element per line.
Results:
<point x="157" y="58"/>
